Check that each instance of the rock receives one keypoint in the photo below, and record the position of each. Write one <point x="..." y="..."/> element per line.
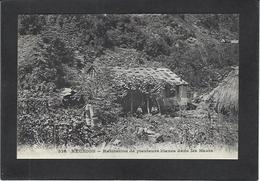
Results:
<point x="139" y="131"/>
<point x="116" y="142"/>
<point x="176" y="118"/>
<point x="159" y="139"/>
<point x="66" y="91"/>
<point x="156" y="138"/>
<point x="171" y="129"/>
<point x="148" y="131"/>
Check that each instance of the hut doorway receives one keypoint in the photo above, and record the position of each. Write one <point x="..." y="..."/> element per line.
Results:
<point x="137" y="100"/>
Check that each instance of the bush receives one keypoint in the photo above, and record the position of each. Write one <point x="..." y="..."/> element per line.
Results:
<point x="33" y="130"/>
<point x="61" y="127"/>
<point x="107" y="117"/>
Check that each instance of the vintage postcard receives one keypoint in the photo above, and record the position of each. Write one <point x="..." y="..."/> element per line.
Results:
<point x="128" y="86"/>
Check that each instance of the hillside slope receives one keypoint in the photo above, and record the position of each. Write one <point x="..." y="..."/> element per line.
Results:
<point x="190" y="45"/>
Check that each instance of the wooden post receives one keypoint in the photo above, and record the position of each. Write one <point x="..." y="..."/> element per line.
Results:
<point x="148" y="107"/>
<point x="89" y="114"/>
<point x="158" y="105"/>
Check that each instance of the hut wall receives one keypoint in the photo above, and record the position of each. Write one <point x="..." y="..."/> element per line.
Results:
<point x="135" y="99"/>
<point x="182" y="93"/>
<point x="178" y="98"/>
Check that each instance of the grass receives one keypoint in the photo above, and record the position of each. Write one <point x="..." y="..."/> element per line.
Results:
<point x="131" y="133"/>
<point x="184" y="131"/>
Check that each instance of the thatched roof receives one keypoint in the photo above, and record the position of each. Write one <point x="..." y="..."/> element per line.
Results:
<point x="157" y="73"/>
<point x="225" y="96"/>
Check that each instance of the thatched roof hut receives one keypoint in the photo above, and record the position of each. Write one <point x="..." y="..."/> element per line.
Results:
<point x="149" y="88"/>
<point x="157" y="73"/>
<point x="225" y="96"/>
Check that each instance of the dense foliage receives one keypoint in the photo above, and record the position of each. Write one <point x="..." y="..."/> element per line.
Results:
<point x="159" y="38"/>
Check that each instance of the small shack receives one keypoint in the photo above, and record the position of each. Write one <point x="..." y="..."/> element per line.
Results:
<point x="173" y="91"/>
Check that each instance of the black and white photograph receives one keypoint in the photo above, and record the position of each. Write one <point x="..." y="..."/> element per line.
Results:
<point x="128" y="86"/>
